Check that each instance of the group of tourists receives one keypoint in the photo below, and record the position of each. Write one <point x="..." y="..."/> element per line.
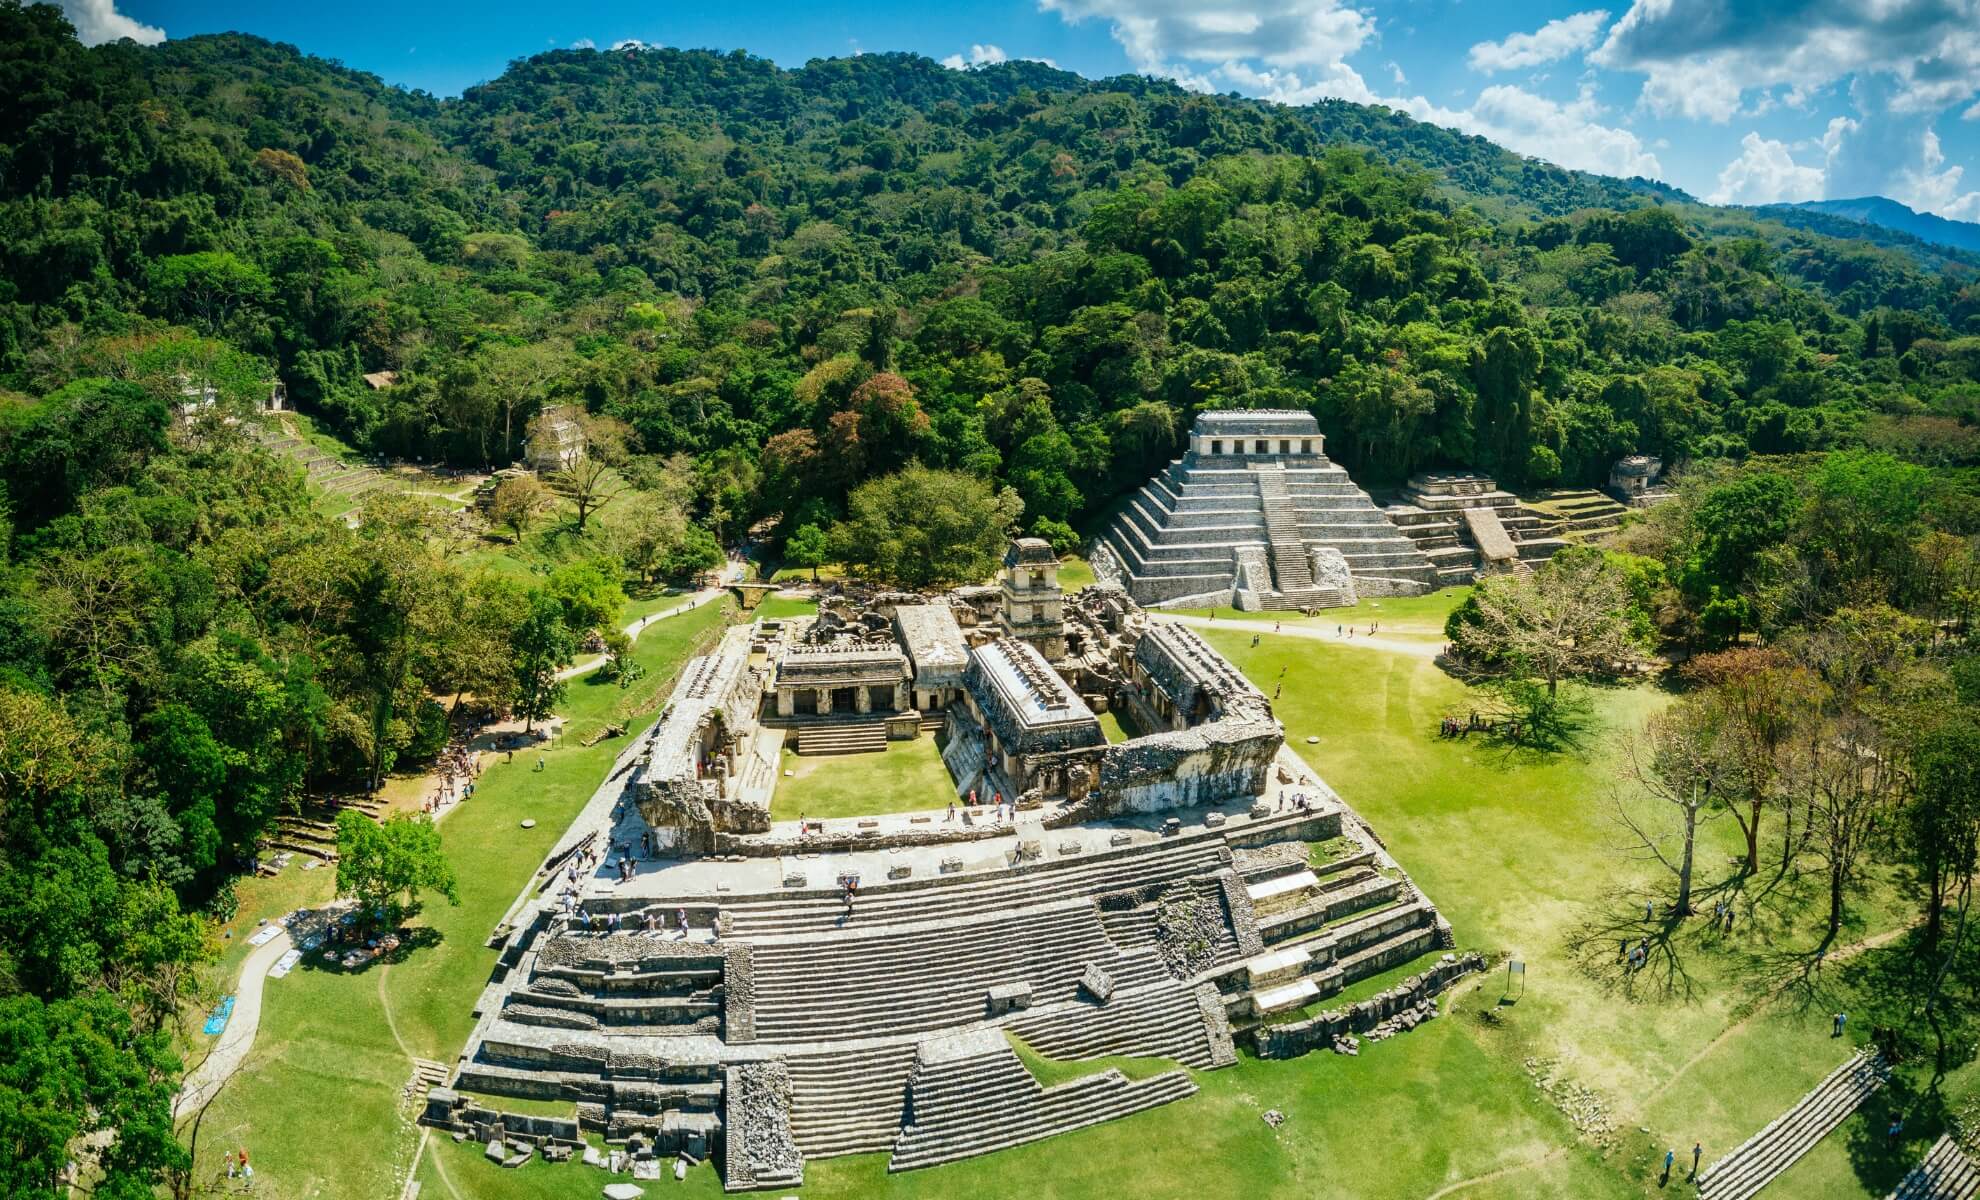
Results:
<point x="648" y="921"/>
<point x="1451" y="727"/>
<point x="457" y="767"/>
<point x="239" y="1168"/>
<point x="1000" y="810"/>
<point x="1301" y="802"/>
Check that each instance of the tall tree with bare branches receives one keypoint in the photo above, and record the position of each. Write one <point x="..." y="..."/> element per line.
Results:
<point x="1684" y="761"/>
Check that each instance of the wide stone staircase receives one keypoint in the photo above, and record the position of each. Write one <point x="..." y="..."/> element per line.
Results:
<point x="842" y="737"/>
<point x="1762" y="1157"/>
<point x="1436" y="513"/>
<point x="970" y="1094"/>
<point x="1182" y="535"/>
<point x="1044" y="883"/>
<point x="849" y="1101"/>
<point x="914" y="979"/>
<point x="1947" y="1173"/>
<point x="1162" y="1023"/>
<point x="1321" y="928"/>
<point x="1581" y="515"/>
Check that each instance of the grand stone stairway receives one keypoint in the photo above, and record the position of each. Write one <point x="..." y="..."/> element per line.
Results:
<point x="971" y="1094"/>
<point x="1762" y="1157"/>
<point x="1321" y="928"/>
<point x="1467" y="526"/>
<point x="1186" y="535"/>
<point x="1946" y="1174"/>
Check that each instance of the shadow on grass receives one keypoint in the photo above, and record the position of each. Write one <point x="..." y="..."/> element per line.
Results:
<point x="411" y="942"/>
<point x="1879" y="1160"/>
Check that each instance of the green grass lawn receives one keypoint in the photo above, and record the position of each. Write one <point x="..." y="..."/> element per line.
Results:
<point x="776" y="607"/>
<point x="1403" y="617"/>
<point x="1074" y="573"/>
<point x="1519" y="852"/>
<point x="1110" y="724"/>
<point x="906" y="777"/>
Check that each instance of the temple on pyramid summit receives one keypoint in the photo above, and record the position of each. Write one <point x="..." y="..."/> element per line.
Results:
<point x="1255" y="516"/>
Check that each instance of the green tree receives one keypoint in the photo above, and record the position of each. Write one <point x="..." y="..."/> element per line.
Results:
<point x="542" y="645"/>
<point x="1939" y="829"/>
<point x="925" y="528"/>
<point x="389" y="865"/>
<point x="807" y="547"/>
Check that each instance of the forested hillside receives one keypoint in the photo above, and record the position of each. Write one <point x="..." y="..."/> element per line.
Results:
<point x="764" y="288"/>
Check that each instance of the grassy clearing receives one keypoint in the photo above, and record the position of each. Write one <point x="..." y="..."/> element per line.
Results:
<point x="777" y="607"/>
<point x="1110" y="724"/>
<point x="1401" y="617"/>
<point x="907" y="777"/>
<point x="1074" y="573"/>
<point x="593" y="702"/>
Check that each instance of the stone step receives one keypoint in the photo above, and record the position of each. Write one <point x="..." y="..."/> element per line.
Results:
<point x="1166" y="1021"/>
<point x="1047" y="882"/>
<point x="1762" y="1157"/>
<point x="975" y="1105"/>
<point x="1947" y="1173"/>
<point x="842" y="738"/>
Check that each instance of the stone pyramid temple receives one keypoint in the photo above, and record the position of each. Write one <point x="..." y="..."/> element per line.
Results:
<point x="1254" y="515"/>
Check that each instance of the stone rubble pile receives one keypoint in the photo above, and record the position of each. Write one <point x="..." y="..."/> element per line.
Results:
<point x="1186" y="926"/>
<point x="1584" y="1107"/>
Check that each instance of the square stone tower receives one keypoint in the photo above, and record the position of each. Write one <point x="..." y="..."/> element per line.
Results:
<point x="1034" y="604"/>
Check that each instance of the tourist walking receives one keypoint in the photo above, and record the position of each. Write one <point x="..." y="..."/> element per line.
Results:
<point x="1670" y="1156"/>
<point x="1697" y="1152"/>
<point x="1841" y="1021"/>
<point x="1895" y="1133"/>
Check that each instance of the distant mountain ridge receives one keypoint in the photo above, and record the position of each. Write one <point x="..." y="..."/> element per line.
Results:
<point x="1889" y="214"/>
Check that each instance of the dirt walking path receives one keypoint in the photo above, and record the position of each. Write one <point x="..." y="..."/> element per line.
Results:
<point x="1367" y="642"/>
<point x="204" y="1082"/>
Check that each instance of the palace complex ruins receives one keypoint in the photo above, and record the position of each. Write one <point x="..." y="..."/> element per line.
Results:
<point x="703" y="980"/>
<point x="1255" y="516"/>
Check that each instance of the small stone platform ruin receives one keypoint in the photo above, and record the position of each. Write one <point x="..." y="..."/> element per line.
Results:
<point x="702" y="981"/>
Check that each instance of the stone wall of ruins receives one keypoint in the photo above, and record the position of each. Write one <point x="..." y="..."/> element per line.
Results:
<point x="1210" y="764"/>
<point x="715" y="702"/>
<point x="1415" y="996"/>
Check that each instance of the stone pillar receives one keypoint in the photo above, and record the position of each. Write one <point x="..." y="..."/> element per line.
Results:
<point x="900" y="697"/>
<point x="786" y="701"/>
<point x="824" y="701"/>
<point x="862" y="698"/>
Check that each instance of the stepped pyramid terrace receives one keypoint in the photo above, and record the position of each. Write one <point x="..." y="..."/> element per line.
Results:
<point x="1255" y="516"/>
<point x="703" y="980"/>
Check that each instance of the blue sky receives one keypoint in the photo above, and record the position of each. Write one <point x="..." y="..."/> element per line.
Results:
<point x="1733" y="100"/>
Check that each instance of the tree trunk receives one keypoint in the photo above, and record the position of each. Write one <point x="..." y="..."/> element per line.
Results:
<point x="1753" y="838"/>
<point x="1835" y="901"/>
<point x="1683" y="905"/>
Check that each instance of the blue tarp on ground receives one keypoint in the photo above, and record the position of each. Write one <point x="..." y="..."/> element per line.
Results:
<point x="218" y="1020"/>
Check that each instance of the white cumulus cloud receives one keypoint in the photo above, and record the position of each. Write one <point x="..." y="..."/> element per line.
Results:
<point x="1550" y="43"/>
<point x="1765" y="173"/>
<point x="98" y="21"/>
<point x="1158" y="35"/>
<point x="584" y="44"/>
<point x="1569" y="134"/>
<point x="1700" y="57"/>
<point x="1925" y="186"/>
<point x="979" y="56"/>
